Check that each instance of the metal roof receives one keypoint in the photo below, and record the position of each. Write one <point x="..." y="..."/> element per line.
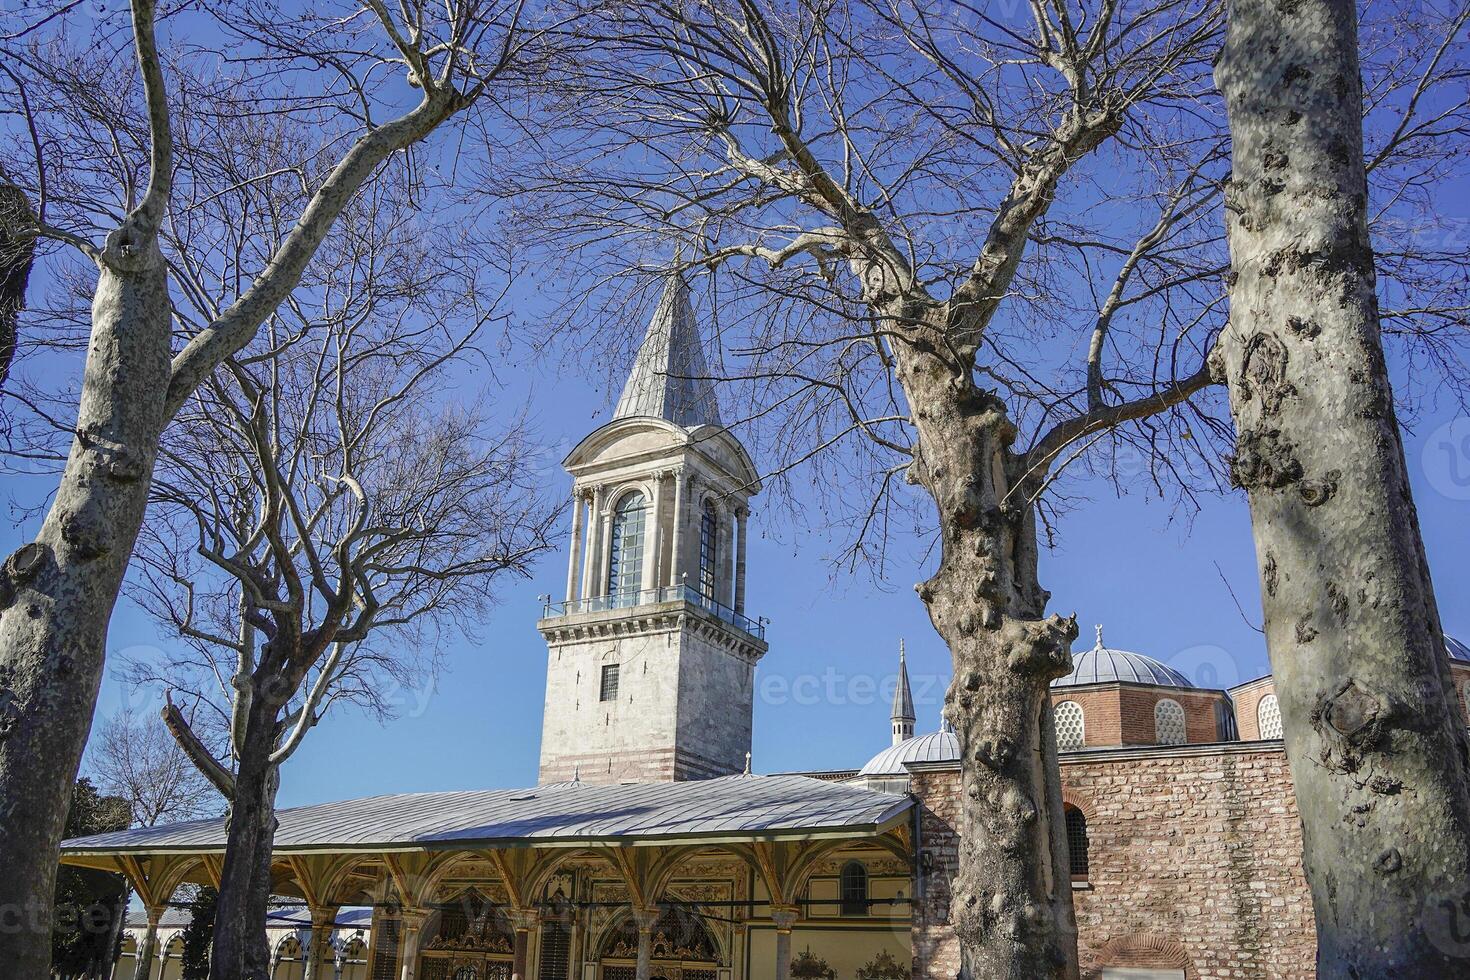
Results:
<point x="940" y="746"/>
<point x="1457" y="650"/>
<point x="670" y="377"/>
<point x="567" y="814"/>
<point x="1101" y="665"/>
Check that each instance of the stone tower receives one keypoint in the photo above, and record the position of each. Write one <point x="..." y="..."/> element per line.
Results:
<point x="903" y="702"/>
<point x="651" y="657"/>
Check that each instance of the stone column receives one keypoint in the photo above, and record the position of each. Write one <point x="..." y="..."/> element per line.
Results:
<point x="725" y="577"/>
<point x="677" y="563"/>
<point x="592" y="565"/>
<point x="412" y="921"/>
<point x="646" y="919"/>
<point x="741" y="516"/>
<point x="322" y="921"/>
<point x="784" y="916"/>
<point x="523" y="920"/>
<point x="143" y="964"/>
<point x="574" y="570"/>
<point x="653" y="536"/>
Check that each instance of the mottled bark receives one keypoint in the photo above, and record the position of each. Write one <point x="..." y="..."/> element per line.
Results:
<point x="17" y="252"/>
<point x="58" y="590"/>
<point x="1012" y="905"/>
<point x="1377" y="754"/>
<point x="240" y="950"/>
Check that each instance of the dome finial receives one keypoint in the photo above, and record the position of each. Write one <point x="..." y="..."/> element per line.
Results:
<point x="1099" y="637"/>
<point x="747" y="763"/>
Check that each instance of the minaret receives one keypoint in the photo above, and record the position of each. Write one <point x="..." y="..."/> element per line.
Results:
<point x="903" y="702"/>
<point x="651" y="657"/>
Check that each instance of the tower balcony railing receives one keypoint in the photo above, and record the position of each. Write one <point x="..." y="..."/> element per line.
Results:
<point x="644" y="597"/>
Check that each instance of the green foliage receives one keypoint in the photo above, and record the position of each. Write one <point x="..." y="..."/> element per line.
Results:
<point x="88" y="902"/>
<point x="808" y="966"/>
<point x="883" y="967"/>
<point x="199" y="933"/>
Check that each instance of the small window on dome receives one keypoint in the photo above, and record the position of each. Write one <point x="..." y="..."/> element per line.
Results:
<point x="1169" y="722"/>
<point x="1070" y="729"/>
<point x="1268" y="717"/>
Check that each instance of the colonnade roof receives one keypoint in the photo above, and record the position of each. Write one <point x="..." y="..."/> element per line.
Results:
<point x="574" y="814"/>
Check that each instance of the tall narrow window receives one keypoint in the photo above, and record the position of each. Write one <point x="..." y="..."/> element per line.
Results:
<point x="1169" y="722"/>
<point x="1070" y="732"/>
<point x="709" y="549"/>
<point x="625" y="562"/>
<point x="854" y="887"/>
<point x="608" y="690"/>
<point x="1077" y="842"/>
<point x="1268" y="717"/>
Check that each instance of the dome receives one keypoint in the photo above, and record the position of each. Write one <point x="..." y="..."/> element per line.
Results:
<point x="1457" y="650"/>
<point x="1101" y="665"/>
<point x="940" y="746"/>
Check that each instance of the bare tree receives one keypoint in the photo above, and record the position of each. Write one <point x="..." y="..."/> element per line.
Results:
<point x="17" y="253"/>
<point x="971" y="245"/>
<point x="139" y="761"/>
<point x="324" y="511"/>
<point x="1379" y="754"/>
<point x="371" y="81"/>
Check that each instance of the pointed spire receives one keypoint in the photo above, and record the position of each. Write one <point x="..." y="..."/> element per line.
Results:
<point x="747" y="763"/>
<point x="903" y="701"/>
<point x="1099" y="637"/>
<point x="670" y="377"/>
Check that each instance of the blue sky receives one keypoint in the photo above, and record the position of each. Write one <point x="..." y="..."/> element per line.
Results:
<point x="1154" y="576"/>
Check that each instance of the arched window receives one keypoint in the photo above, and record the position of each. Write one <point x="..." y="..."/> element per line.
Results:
<point x="1076" y="841"/>
<point x="1169" y="722"/>
<point x="625" y="564"/>
<point x="1268" y="717"/>
<point x="854" y="888"/>
<point x="1070" y="731"/>
<point x="709" y="549"/>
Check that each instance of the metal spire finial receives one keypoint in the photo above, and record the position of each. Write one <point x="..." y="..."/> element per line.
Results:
<point x="1099" y="636"/>
<point x="747" y="763"/>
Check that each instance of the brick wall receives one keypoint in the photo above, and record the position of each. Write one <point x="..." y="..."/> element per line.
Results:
<point x="1195" y="863"/>
<point x="1123" y="714"/>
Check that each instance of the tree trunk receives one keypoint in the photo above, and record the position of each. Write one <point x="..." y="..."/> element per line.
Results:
<point x="1012" y="904"/>
<point x="57" y="593"/>
<point x="1378" y="756"/>
<point x="240" y="950"/>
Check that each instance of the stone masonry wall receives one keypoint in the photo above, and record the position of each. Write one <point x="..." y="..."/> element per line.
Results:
<point x="1195" y="858"/>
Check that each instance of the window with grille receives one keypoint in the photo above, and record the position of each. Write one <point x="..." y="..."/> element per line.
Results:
<point x="385" y="949"/>
<point x="854" y="888"/>
<point x="556" y="952"/>
<point x="1169" y="722"/>
<point x="1077" y="842"/>
<point x="1268" y="717"/>
<point x="709" y="549"/>
<point x="608" y="689"/>
<point x="625" y="561"/>
<point x="1070" y="731"/>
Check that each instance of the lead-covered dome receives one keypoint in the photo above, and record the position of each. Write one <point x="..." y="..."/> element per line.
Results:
<point x="1457" y="650"/>
<point x="940" y="746"/>
<point x="1101" y="665"/>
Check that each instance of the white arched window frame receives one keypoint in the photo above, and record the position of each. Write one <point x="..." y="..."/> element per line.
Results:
<point x="1071" y="727"/>
<point x="1169" y="722"/>
<point x="626" y="548"/>
<point x="1268" y="717"/>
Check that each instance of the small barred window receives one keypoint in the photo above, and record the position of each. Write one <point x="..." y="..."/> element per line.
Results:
<point x="1268" y="717"/>
<point x="1169" y="722"/>
<point x="608" y="691"/>
<point x="1077" y="842"/>
<point x="1070" y="732"/>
